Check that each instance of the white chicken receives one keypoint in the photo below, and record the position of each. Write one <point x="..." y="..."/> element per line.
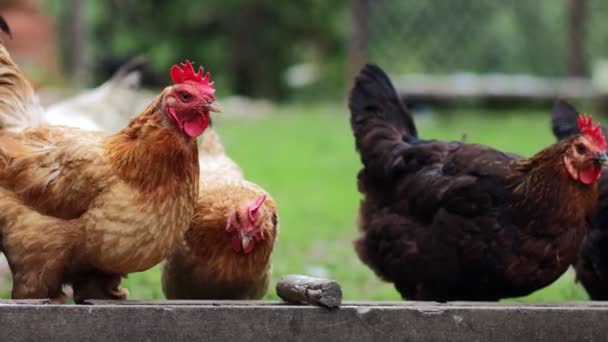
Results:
<point x="105" y="108"/>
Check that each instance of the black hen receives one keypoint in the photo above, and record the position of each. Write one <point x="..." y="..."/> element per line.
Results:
<point x="453" y="221"/>
<point x="592" y="265"/>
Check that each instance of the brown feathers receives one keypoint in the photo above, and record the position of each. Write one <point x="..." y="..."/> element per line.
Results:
<point x="19" y="107"/>
<point x="89" y="203"/>
<point x="85" y="208"/>
<point x="151" y="157"/>
<point x="544" y="186"/>
<point x="592" y="263"/>
<point x="205" y="266"/>
<point x="208" y="267"/>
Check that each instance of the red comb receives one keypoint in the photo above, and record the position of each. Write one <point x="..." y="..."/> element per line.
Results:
<point x="186" y="74"/>
<point x="253" y="208"/>
<point x="594" y="133"/>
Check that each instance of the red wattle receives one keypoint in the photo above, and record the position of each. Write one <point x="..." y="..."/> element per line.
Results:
<point x="236" y="243"/>
<point x="196" y="126"/>
<point x="590" y="175"/>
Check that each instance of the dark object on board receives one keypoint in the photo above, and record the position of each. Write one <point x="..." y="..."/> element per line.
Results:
<point x="315" y="291"/>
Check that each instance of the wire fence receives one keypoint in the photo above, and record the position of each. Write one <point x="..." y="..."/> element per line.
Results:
<point x="550" y="38"/>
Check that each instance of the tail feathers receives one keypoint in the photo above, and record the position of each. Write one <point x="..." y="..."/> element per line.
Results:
<point x="128" y="75"/>
<point x="374" y="96"/>
<point x="564" y="120"/>
<point x="380" y="122"/>
<point x="19" y="104"/>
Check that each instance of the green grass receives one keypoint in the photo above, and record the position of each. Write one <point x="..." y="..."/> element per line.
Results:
<point x="305" y="157"/>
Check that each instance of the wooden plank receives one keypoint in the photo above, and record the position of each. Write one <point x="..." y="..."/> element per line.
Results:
<point x="25" y="301"/>
<point x="468" y="86"/>
<point x="407" y="321"/>
<point x="187" y="302"/>
<point x="202" y="303"/>
<point x="269" y="303"/>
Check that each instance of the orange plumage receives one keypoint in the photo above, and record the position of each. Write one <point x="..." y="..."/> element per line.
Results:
<point x="213" y="262"/>
<point x="85" y="208"/>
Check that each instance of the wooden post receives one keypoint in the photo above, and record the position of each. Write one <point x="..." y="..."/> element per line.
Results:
<point x="357" y="52"/>
<point x="76" y="39"/>
<point x="577" y="15"/>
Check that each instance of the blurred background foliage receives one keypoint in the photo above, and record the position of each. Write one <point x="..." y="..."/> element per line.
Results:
<point x="249" y="45"/>
<point x="298" y="49"/>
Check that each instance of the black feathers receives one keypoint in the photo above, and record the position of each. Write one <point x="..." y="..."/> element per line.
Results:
<point x="374" y="96"/>
<point x="564" y="120"/>
<point x="441" y="220"/>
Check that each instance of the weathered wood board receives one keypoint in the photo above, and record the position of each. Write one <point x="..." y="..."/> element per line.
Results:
<point x="273" y="321"/>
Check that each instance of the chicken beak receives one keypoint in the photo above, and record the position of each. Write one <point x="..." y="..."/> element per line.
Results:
<point x="245" y="241"/>
<point x="601" y="158"/>
<point x="215" y="107"/>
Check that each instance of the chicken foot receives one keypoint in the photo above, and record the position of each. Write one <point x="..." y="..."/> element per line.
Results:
<point x="97" y="284"/>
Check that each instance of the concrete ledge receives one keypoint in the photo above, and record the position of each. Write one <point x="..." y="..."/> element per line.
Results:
<point x="273" y="321"/>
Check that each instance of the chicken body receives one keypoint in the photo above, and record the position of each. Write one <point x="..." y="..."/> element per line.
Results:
<point x="96" y="195"/>
<point x="205" y="266"/>
<point x="451" y="221"/>
<point x="86" y="208"/>
<point x="592" y="264"/>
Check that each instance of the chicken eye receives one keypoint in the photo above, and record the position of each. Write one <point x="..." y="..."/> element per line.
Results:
<point x="185" y="96"/>
<point x="580" y="148"/>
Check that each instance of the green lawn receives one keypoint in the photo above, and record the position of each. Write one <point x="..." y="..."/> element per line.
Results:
<point x="304" y="156"/>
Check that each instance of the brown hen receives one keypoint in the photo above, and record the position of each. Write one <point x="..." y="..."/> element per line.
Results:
<point x="226" y="253"/>
<point x="85" y="208"/>
<point x="453" y="221"/>
<point x="592" y="264"/>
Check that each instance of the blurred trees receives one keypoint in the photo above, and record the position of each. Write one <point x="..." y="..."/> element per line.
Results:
<point x="247" y="45"/>
<point x="250" y="45"/>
